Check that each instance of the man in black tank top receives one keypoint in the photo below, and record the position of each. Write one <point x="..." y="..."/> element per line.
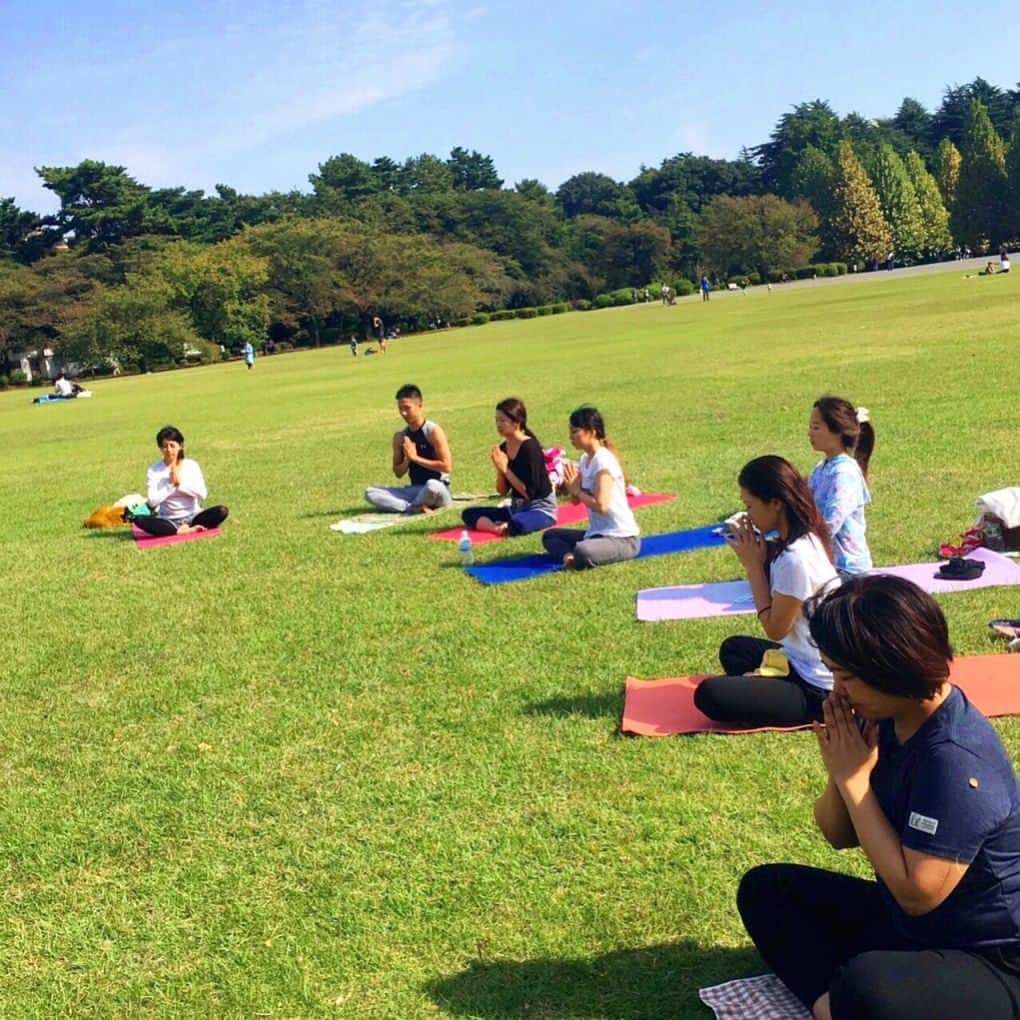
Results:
<point x="420" y="449"/>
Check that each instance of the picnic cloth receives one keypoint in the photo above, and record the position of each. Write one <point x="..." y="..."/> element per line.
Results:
<point x="566" y="513"/>
<point x="755" y="998"/>
<point x="145" y="541"/>
<point x="518" y="568"/>
<point x="727" y="598"/>
<point x="663" y="707"/>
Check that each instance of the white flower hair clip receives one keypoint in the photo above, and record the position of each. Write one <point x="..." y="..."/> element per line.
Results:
<point x="863" y="415"/>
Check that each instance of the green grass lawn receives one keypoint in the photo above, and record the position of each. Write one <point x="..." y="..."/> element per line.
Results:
<point x="292" y="773"/>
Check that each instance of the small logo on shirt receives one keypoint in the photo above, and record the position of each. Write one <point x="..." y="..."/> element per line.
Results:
<point x="923" y="823"/>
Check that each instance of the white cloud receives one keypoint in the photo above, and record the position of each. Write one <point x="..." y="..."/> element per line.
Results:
<point x="326" y="65"/>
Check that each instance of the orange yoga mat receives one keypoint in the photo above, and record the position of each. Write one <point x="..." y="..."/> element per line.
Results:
<point x="660" y="708"/>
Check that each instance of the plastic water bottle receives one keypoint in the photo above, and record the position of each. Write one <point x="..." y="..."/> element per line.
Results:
<point x="466" y="550"/>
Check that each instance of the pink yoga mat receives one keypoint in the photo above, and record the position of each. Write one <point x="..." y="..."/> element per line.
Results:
<point x="728" y="598"/>
<point x="566" y="513"/>
<point x="661" y="708"/>
<point x="144" y="541"/>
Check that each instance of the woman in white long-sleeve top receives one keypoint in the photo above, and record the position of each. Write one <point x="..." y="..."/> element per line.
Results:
<point x="174" y="489"/>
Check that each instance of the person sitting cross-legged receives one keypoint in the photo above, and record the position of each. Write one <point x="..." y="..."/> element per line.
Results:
<point x="174" y="487"/>
<point x="421" y="450"/>
<point x="919" y="780"/>
<point x="520" y="473"/>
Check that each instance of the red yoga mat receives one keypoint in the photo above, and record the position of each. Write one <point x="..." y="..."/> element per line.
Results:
<point x="566" y="513"/>
<point x="661" y="708"/>
<point x="145" y="541"/>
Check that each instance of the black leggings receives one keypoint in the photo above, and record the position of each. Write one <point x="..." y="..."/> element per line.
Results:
<point x="210" y="517"/>
<point x="823" y="932"/>
<point x="756" y="700"/>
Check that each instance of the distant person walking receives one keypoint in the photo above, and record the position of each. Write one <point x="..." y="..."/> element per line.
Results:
<point x="249" y="354"/>
<point x="354" y="345"/>
<point x="705" y="288"/>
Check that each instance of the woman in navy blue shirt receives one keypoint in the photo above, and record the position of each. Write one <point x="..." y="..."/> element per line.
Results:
<point x="919" y="780"/>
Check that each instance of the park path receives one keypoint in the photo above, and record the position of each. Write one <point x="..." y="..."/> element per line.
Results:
<point x="961" y="266"/>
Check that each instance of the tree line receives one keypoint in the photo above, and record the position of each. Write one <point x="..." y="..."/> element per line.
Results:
<point x="139" y="274"/>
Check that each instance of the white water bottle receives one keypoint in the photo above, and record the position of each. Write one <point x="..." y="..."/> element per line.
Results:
<point x="464" y="547"/>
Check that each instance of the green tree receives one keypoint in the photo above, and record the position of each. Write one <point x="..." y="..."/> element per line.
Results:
<point x="221" y="287"/>
<point x="978" y="212"/>
<point x="100" y="204"/>
<point x="535" y="191"/>
<point x="695" y="180"/>
<point x="813" y="123"/>
<point x="914" y="121"/>
<point x="620" y="254"/>
<point x="1013" y="179"/>
<point x="813" y="179"/>
<point x="135" y="325"/>
<point x="24" y="235"/>
<point x="594" y="194"/>
<point x="472" y="171"/>
<point x="302" y="275"/>
<point x="947" y="171"/>
<point x="342" y="180"/>
<point x="858" y="229"/>
<point x="898" y="199"/>
<point x="757" y="233"/>
<point x="387" y="173"/>
<point x="934" y="216"/>
<point x="950" y="119"/>
<point x="512" y="226"/>
<point x="425" y="174"/>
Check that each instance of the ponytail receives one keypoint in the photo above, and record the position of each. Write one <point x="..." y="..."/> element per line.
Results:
<point x="853" y="425"/>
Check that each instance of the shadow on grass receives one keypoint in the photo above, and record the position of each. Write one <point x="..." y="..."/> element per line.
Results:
<point x="589" y="706"/>
<point x="107" y="533"/>
<point x="344" y="511"/>
<point x="628" y="984"/>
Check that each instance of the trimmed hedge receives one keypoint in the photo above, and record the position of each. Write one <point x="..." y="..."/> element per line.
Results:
<point x="544" y="309"/>
<point x="614" y="298"/>
<point x="683" y="287"/>
<point x="582" y="305"/>
<point x="560" y="308"/>
<point x="502" y="315"/>
<point x="479" y="319"/>
<point x="526" y="313"/>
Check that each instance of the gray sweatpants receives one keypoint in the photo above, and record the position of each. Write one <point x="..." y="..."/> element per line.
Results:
<point x="398" y="499"/>
<point x="589" y="552"/>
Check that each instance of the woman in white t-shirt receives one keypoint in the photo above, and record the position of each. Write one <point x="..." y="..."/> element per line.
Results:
<point x="598" y="483"/>
<point x="174" y="487"/>
<point x="793" y="681"/>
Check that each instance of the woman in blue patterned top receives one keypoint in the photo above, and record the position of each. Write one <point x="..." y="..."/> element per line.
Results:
<point x="839" y="483"/>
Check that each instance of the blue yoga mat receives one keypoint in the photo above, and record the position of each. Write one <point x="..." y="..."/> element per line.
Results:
<point x="518" y="568"/>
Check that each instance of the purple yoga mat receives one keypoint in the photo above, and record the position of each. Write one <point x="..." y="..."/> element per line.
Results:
<point x="692" y="601"/>
<point x="728" y="598"/>
<point x="999" y="569"/>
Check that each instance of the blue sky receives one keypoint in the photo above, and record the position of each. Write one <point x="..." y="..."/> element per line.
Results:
<point x="256" y="94"/>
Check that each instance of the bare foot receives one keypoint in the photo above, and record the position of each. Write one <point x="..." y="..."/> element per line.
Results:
<point x="185" y="529"/>
<point x="568" y="562"/>
<point x="492" y="527"/>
